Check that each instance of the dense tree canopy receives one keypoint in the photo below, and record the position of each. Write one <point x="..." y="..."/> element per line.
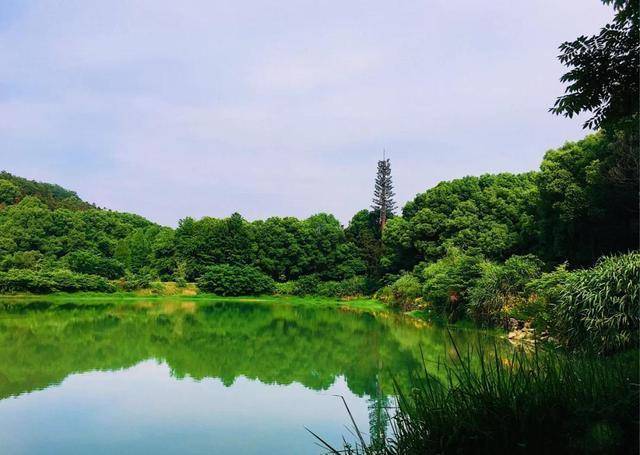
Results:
<point x="14" y="188"/>
<point x="228" y="280"/>
<point x="581" y="214"/>
<point x="214" y="241"/>
<point x="283" y="248"/>
<point x="9" y="192"/>
<point x="481" y="245"/>
<point x="572" y="210"/>
<point x="34" y="236"/>
<point x="40" y="230"/>
<point x="491" y="215"/>
<point x="365" y="234"/>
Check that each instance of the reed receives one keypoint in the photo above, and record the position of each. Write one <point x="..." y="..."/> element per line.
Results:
<point x="536" y="402"/>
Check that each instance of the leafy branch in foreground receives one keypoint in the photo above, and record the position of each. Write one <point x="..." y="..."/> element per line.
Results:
<point x="603" y="75"/>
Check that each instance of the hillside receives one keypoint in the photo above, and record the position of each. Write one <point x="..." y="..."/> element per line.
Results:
<point x="45" y="228"/>
<point x="13" y="189"/>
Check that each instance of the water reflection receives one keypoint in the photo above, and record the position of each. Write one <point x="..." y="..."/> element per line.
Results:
<point x="185" y="377"/>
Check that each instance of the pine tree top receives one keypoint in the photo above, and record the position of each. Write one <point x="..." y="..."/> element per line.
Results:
<point x="383" y="193"/>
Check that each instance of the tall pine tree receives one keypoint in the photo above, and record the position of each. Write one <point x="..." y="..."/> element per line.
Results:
<point x="383" y="194"/>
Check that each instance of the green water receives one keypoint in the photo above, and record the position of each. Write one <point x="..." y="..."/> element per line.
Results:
<point x="199" y="377"/>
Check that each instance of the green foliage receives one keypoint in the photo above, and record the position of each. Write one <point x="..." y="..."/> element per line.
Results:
<point x="582" y="204"/>
<point x="279" y="247"/>
<point x="7" y="246"/>
<point x="312" y="285"/>
<point x="213" y="241"/>
<point x="22" y="260"/>
<point x="180" y="274"/>
<point x="283" y="248"/>
<point x="599" y="308"/>
<point x="8" y="192"/>
<point x="14" y="188"/>
<point x="403" y="293"/>
<point x="134" y="281"/>
<point x="383" y="203"/>
<point x="326" y="251"/>
<point x="235" y="280"/>
<point x="491" y="215"/>
<point x="306" y="285"/>
<point x="286" y="288"/>
<point x="585" y="210"/>
<point x="40" y="282"/>
<point x="163" y="256"/>
<point x="501" y="288"/>
<point x="448" y="281"/>
<point x="603" y="76"/>
<point x="34" y="237"/>
<point x="399" y="252"/>
<point x="523" y="403"/>
<point x="88" y="262"/>
<point x="543" y="294"/>
<point x="350" y="287"/>
<point x="589" y="189"/>
<point x="364" y="233"/>
<point x="135" y="250"/>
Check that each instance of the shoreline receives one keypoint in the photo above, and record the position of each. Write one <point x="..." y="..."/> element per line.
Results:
<point x="361" y="303"/>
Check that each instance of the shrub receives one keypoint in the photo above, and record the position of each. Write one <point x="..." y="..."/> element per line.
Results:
<point x="134" y="281"/>
<point x="22" y="280"/>
<point x="65" y="280"/>
<point x="306" y="285"/>
<point x="501" y="288"/>
<point x="286" y="288"/>
<point x="543" y="294"/>
<point x="403" y="293"/>
<point x="312" y="285"/>
<point x="350" y="287"/>
<point x="180" y="274"/>
<point x="448" y="281"/>
<point x="19" y="280"/>
<point x="329" y="289"/>
<point x="22" y="260"/>
<point x="157" y="287"/>
<point x="233" y="280"/>
<point x="599" y="307"/>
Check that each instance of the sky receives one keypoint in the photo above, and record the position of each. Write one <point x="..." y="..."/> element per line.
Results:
<point x="268" y="108"/>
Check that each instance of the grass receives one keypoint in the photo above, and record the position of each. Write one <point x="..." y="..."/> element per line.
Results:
<point x="543" y="402"/>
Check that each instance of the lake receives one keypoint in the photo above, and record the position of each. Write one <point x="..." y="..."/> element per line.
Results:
<point x="200" y="376"/>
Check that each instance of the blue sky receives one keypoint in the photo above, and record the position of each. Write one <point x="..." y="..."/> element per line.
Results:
<point x="191" y="108"/>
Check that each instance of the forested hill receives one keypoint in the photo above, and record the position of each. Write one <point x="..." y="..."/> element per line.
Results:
<point x="14" y="188"/>
<point x="44" y="227"/>
<point x="575" y="209"/>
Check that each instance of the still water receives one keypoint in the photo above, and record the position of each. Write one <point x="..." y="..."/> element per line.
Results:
<point x="211" y="377"/>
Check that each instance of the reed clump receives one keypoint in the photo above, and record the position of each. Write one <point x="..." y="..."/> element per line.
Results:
<point x="540" y="402"/>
